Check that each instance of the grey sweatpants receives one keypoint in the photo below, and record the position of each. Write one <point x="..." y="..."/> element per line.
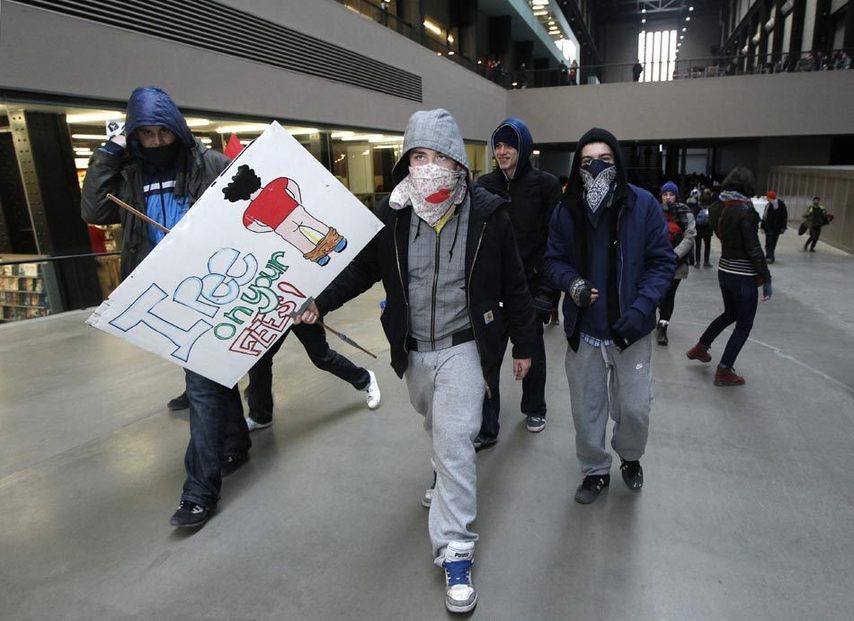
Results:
<point x="602" y="381"/>
<point x="447" y="388"/>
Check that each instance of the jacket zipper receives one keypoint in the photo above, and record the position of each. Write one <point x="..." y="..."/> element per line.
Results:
<point x="433" y="298"/>
<point x="620" y="271"/>
<point x="468" y="302"/>
<point x="162" y="202"/>
<point x="400" y="276"/>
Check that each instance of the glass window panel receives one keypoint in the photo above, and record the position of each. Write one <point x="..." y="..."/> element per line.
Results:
<point x="672" y="55"/>
<point x="646" y="76"/>
<point x="656" y="56"/>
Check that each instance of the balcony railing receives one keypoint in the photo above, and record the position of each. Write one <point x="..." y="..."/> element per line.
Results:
<point x="688" y="69"/>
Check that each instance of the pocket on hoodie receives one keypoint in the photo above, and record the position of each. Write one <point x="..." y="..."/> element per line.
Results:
<point x="488" y="319"/>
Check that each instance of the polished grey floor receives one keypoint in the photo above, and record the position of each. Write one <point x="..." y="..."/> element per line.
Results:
<point x="746" y="513"/>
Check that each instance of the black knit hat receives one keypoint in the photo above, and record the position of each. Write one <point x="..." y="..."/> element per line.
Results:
<point x="596" y="134"/>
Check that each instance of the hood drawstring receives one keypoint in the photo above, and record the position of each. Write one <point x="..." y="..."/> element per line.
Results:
<point x="454" y="242"/>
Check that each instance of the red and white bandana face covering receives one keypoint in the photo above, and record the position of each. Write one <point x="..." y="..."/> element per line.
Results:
<point x="431" y="190"/>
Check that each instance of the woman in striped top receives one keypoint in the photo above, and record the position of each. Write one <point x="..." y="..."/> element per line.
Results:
<point x="741" y="269"/>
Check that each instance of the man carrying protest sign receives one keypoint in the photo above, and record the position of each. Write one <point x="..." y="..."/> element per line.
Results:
<point x="445" y="270"/>
<point x="160" y="168"/>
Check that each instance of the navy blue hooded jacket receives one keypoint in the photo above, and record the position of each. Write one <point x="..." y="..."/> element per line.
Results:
<point x="533" y="196"/>
<point x="119" y="171"/>
<point x="643" y="262"/>
<point x="149" y="105"/>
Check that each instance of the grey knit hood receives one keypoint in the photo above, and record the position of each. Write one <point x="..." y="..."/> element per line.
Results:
<point x="431" y="129"/>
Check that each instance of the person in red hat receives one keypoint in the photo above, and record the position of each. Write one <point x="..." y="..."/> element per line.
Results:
<point x="775" y="219"/>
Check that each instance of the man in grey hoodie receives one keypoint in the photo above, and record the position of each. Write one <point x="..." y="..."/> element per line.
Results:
<point x="447" y="257"/>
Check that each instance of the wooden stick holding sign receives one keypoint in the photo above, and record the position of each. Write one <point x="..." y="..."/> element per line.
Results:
<point x="340" y="335"/>
<point x="137" y="213"/>
<point x="154" y="223"/>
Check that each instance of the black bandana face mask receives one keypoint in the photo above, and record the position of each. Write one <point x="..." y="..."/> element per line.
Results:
<point x="598" y="177"/>
<point x="161" y="157"/>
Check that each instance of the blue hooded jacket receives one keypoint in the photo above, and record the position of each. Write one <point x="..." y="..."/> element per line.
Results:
<point x="149" y="105"/>
<point x="164" y="202"/>
<point x="642" y="262"/>
<point x="526" y="142"/>
<point x="123" y="173"/>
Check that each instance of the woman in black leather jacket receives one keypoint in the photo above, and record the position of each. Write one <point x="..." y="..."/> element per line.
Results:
<point x="742" y="268"/>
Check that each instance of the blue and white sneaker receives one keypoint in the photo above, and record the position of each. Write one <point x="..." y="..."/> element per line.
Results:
<point x="460" y="594"/>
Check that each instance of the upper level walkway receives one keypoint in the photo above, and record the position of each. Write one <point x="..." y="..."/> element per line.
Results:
<point x="745" y="513"/>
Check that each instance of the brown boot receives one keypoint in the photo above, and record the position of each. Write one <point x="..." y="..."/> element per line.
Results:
<point x="725" y="376"/>
<point x="699" y="352"/>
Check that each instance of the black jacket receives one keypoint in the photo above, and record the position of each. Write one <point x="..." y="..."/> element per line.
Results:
<point x="775" y="220"/>
<point x="534" y="194"/>
<point x="120" y="172"/>
<point x="737" y="226"/>
<point x="493" y="274"/>
<point x="121" y="176"/>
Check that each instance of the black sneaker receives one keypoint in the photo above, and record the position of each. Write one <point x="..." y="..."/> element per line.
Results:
<point x="190" y="515"/>
<point x="591" y="487"/>
<point x="230" y="463"/>
<point x="632" y="474"/>
<point x="535" y="424"/>
<point x="181" y="402"/>
<point x="482" y="442"/>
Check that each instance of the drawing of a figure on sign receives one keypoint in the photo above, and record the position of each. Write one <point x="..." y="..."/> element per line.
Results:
<point x="277" y="208"/>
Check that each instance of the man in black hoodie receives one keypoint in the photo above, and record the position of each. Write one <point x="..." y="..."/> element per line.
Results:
<point x="533" y="195"/>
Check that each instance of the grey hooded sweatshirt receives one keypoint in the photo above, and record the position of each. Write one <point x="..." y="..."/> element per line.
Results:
<point x="437" y="291"/>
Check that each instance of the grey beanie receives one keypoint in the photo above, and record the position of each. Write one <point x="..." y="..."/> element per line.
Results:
<point x="431" y="129"/>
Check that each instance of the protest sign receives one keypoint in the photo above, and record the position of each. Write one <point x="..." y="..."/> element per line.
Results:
<point x="273" y="230"/>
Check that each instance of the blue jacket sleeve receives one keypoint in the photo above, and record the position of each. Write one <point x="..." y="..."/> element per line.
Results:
<point x="559" y="260"/>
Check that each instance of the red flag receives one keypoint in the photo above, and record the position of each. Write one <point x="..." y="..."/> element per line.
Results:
<point x="233" y="148"/>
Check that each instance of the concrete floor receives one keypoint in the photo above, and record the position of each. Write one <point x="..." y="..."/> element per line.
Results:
<point x="746" y="513"/>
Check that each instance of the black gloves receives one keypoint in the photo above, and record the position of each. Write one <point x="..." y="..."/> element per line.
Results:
<point x="630" y="325"/>
<point x="545" y="299"/>
<point x="580" y="292"/>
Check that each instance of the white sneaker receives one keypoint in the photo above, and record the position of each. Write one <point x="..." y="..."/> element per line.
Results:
<point x="372" y="392"/>
<point x="253" y="425"/>
<point x="427" y="499"/>
<point x="460" y="594"/>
